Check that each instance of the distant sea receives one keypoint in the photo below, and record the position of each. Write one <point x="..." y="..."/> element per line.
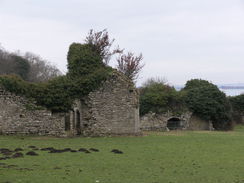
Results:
<point x="233" y="92"/>
<point x="227" y="91"/>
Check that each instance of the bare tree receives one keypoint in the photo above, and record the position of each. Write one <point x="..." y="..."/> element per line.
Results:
<point x="130" y="65"/>
<point x="103" y="44"/>
<point x="30" y="66"/>
<point x="11" y="63"/>
<point x="4" y="64"/>
<point x="40" y="69"/>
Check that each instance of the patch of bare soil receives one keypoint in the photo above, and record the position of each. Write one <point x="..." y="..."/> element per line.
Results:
<point x="47" y="149"/>
<point x="18" y="149"/>
<point x="94" y="150"/>
<point x="67" y="149"/>
<point x="32" y="153"/>
<point x="52" y="150"/>
<point x="6" y="152"/>
<point x="84" y="150"/>
<point x="18" y="155"/>
<point x="116" y="151"/>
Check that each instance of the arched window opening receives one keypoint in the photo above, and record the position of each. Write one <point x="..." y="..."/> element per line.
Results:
<point x="174" y="124"/>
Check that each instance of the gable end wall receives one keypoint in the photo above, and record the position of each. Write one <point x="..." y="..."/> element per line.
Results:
<point x="112" y="109"/>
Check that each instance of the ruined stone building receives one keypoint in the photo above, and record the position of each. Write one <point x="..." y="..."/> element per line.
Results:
<point x="170" y="121"/>
<point x="111" y="109"/>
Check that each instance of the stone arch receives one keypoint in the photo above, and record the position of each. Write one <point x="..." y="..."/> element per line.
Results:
<point x="73" y="120"/>
<point x="174" y="123"/>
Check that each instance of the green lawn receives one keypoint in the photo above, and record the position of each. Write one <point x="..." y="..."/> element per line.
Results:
<point x="165" y="157"/>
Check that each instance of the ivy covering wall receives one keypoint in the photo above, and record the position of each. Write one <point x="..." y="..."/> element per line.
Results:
<point x="86" y="71"/>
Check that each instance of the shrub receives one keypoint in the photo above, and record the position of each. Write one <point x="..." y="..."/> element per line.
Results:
<point x="206" y="101"/>
<point x="83" y="59"/>
<point x="196" y="83"/>
<point x="158" y="97"/>
<point x="237" y="103"/>
<point x="22" y="67"/>
<point x="14" y="84"/>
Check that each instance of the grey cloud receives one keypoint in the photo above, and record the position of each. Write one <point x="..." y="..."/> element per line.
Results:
<point x="180" y="39"/>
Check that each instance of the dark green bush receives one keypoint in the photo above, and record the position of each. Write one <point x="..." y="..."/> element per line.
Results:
<point x="196" y="83"/>
<point x="159" y="98"/>
<point x="14" y="84"/>
<point x="208" y="102"/>
<point x="22" y="67"/>
<point x="237" y="103"/>
<point x="83" y="59"/>
<point x="13" y="64"/>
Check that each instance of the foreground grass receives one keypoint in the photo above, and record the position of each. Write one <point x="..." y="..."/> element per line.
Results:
<point x="170" y="157"/>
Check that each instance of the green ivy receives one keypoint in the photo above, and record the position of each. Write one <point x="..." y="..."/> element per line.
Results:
<point x="86" y="72"/>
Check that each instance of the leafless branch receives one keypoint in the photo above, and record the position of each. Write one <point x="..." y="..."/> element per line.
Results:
<point x="40" y="69"/>
<point x="103" y="44"/>
<point x="130" y="65"/>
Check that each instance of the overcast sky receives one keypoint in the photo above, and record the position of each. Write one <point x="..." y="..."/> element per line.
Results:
<point x="179" y="39"/>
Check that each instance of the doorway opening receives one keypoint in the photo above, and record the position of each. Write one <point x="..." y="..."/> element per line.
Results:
<point x="77" y="120"/>
<point x="174" y="124"/>
<point x="67" y="122"/>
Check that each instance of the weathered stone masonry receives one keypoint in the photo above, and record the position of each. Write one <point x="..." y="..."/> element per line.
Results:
<point x="16" y="118"/>
<point x="169" y="121"/>
<point x="112" y="109"/>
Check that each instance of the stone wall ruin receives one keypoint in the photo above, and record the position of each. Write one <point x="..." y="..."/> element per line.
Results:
<point x="169" y="121"/>
<point x="113" y="109"/>
<point x="18" y="117"/>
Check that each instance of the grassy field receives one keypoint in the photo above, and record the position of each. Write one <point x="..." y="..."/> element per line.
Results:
<point x="169" y="157"/>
